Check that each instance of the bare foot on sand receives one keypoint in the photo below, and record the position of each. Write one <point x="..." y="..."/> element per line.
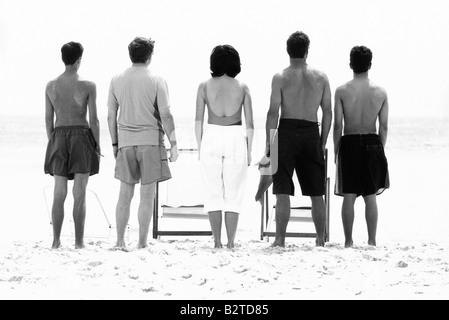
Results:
<point x="372" y="243"/>
<point x="142" y="246"/>
<point x="319" y="242"/>
<point x="56" y="244"/>
<point x="349" y="244"/>
<point x="218" y="245"/>
<point x="278" y="244"/>
<point x="79" y="246"/>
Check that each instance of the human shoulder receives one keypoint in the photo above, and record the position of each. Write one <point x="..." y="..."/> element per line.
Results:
<point x="317" y="73"/>
<point x="51" y="84"/>
<point x="378" y="89"/>
<point x="279" y="77"/>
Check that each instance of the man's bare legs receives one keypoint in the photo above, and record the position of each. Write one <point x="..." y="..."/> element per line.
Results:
<point x="319" y="219"/>
<point x="122" y="212"/>
<point x="371" y="216"/>
<point x="215" y="220"/>
<point x="282" y="218"/>
<point x="79" y="207"/>
<point x="347" y="215"/>
<point x="231" y="222"/>
<point x="146" y="207"/>
<point x="57" y="211"/>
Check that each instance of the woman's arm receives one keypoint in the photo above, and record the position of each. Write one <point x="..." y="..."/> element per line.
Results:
<point x="249" y="120"/>
<point x="199" y="116"/>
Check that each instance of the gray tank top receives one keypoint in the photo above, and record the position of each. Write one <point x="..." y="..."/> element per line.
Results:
<point x="233" y="120"/>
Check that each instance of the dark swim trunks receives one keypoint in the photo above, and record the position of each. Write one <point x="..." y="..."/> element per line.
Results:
<point x="362" y="167"/>
<point x="71" y="150"/>
<point x="299" y="149"/>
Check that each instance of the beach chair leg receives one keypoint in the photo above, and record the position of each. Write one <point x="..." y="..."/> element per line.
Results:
<point x="102" y="209"/>
<point x="46" y="204"/>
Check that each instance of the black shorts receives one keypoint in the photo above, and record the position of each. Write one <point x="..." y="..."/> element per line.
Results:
<point x="70" y="150"/>
<point x="299" y="149"/>
<point x="362" y="167"/>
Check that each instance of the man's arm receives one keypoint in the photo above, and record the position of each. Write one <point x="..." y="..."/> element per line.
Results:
<point x="338" y="121"/>
<point x="326" y="107"/>
<point x="112" y="119"/>
<point x="199" y="116"/>
<point x="169" y="127"/>
<point x="383" y="121"/>
<point x="248" y="110"/>
<point x="93" y="117"/>
<point x="49" y="114"/>
<point x="273" y="112"/>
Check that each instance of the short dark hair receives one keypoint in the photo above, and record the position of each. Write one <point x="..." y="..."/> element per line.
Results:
<point x="140" y="49"/>
<point x="361" y="58"/>
<point x="225" y="60"/>
<point x="71" y="52"/>
<point x="298" y="45"/>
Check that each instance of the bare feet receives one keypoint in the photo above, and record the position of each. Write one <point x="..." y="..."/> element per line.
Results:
<point x="218" y="245"/>
<point x="349" y="244"/>
<point x="319" y="242"/>
<point x="142" y="246"/>
<point x="372" y="243"/>
<point x="56" y="244"/>
<point x="121" y="246"/>
<point x="278" y="244"/>
<point x="79" y="246"/>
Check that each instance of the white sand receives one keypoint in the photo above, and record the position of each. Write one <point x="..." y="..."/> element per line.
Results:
<point x="189" y="269"/>
<point x="410" y="262"/>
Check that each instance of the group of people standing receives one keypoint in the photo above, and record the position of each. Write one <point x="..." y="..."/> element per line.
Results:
<point x="139" y="118"/>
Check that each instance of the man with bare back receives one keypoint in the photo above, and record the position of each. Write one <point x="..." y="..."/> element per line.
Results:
<point x="73" y="142"/>
<point x="299" y="91"/>
<point x="362" y="168"/>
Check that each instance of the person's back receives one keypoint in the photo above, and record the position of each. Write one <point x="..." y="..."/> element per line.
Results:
<point x="362" y="101"/>
<point x="362" y="167"/>
<point x="224" y="149"/>
<point x="298" y="92"/>
<point x="73" y="142"/>
<point x="142" y="96"/>
<point x="69" y="96"/>
<point x="138" y="118"/>
<point x="302" y="90"/>
<point x="224" y="96"/>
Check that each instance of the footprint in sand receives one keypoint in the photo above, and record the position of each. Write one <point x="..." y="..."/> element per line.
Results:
<point x="401" y="264"/>
<point x="15" y="279"/>
<point x="95" y="264"/>
<point x="241" y="270"/>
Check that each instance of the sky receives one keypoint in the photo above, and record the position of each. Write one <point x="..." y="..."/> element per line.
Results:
<point x="409" y="40"/>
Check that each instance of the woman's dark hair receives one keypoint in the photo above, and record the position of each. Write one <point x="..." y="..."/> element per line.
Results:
<point x="298" y="45"/>
<point x="361" y="58"/>
<point x="140" y="49"/>
<point x="225" y="60"/>
<point x="71" y="52"/>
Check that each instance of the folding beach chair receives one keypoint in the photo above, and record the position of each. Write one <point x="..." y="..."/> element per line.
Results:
<point x="301" y="215"/>
<point x="178" y="208"/>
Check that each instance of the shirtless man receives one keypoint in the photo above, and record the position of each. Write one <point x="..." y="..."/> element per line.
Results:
<point x="73" y="142"/>
<point x="299" y="91"/>
<point x="362" y="167"/>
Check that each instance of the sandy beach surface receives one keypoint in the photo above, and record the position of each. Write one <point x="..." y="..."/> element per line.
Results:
<point x="411" y="260"/>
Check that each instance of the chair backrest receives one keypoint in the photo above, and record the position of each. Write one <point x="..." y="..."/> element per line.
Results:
<point x="185" y="187"/>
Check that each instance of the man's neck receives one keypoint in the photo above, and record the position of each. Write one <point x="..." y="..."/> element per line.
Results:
<point x="298" y="63"/>
<point x="361" y="76"/>
<point x="141" y="64"/>
<point x="71" y="70"/>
